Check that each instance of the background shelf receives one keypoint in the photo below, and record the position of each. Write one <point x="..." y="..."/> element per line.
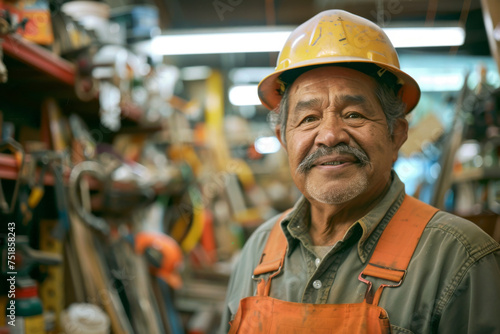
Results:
<point x="477" y="174"/>
<point x="39" y="58"/>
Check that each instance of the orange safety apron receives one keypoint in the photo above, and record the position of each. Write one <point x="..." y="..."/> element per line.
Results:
<point x="263" y="314"/>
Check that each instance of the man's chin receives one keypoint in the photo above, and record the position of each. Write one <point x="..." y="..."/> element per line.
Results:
<point x="336" y="194"/>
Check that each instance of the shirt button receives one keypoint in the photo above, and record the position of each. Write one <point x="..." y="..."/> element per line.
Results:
<point x="317" y="262"/>
<point x="317" y="284"/>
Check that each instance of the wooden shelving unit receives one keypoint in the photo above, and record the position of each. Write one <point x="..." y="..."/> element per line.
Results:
<point x="8" y="167"/>
<point x="9" y="170"/>
<point x="35" y="72"/>
<point x="39" y="58"/>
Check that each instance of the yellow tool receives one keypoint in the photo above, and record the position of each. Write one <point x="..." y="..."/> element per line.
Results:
<point x="224" y="162"/>
<point x="52" y="288"/>
<point x="194" y="233"/>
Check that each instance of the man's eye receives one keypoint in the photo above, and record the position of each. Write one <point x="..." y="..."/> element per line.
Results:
<point x="354" y="115"/>
<point x="309" y="119"/>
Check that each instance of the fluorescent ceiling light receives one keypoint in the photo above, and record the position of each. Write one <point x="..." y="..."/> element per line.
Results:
<point x="428" y="80"/>
<point x="433" y="74"/>
<point x="221" y="41"/>
<point x="193" y="73"/>
<point x="249" y="40"/>
<point x="426" y="36"/>
<point x="468" y="151"/>
<point x="245" y="75"/>
<point x="244" y="95"/>
<point x="267" y="145"/>
<point x="437" y="80"/>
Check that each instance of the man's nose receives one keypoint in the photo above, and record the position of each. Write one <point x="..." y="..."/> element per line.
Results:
<point x="332" y="131"/>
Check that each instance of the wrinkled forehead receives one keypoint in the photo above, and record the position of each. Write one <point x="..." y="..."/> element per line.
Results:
<point x="320" y="79"/>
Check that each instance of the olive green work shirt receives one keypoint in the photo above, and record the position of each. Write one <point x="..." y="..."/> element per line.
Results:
<point x="452" y="285"/>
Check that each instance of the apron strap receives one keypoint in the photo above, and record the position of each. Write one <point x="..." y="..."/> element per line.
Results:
<point x="272" y="257"/>
<point x="389" y="260"/>
<point x="397" y="244"/>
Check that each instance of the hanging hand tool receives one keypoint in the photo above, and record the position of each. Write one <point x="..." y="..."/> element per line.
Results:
<point x="94" y="169"/>
<point x="163" y="254"/>
<point x="18" y="151"/>
<point x="6" y="27"/>
<point x="165" y="258"/>
<point x="4" y="30"/>
<point x="63" y="225"/>
<point x="83" y="145"/>
<point x="27" y="258"/>
<point x="54" y="162"/>
<point x="97" y="284"/>
<point x="34" y="175"/>
<point x="29" y="202"/>
<point x="3" y="68"/>
<point x="119" y="198"/>
<point x="198" y="219"/>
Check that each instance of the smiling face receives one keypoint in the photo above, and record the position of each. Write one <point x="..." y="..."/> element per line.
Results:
<point x="337" y="139"/>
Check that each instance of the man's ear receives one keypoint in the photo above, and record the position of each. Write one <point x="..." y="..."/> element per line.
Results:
<point x="277" y="131"/>
<point x="399" y="136"/>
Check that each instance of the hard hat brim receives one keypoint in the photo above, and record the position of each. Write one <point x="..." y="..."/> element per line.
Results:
<point x="269" y="89"/>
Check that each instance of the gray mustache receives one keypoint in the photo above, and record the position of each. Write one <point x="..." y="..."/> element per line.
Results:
<point x="309" y="160"/>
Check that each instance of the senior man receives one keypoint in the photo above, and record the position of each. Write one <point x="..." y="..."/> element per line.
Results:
<point x="355" y="254"/>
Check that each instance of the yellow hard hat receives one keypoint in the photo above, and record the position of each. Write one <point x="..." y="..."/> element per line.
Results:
<point x="337" y="37"/>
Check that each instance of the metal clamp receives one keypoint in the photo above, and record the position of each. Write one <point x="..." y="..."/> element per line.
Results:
<point x="271" y="275"/>
<point x="369" y="298"/>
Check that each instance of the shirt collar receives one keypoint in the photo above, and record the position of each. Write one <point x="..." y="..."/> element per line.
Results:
<point x="295" y="224"/>
<point x="375" y="221"/>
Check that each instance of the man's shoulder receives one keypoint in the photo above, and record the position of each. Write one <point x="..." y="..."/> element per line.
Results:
<point x="261" y="233"/>
<point x="252" y="250"/>
<point x="462" y="233"/>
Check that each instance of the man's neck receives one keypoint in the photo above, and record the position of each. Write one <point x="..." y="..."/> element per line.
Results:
<point x="330" y="222"/>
